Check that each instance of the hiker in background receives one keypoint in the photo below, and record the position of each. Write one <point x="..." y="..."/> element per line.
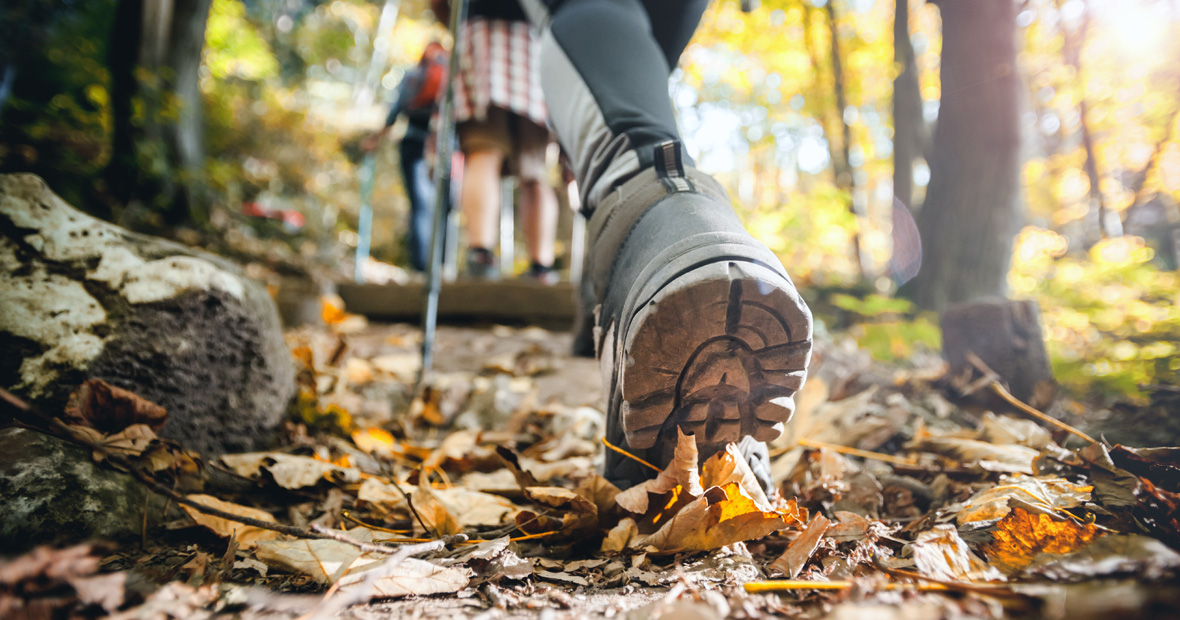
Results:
<point x="417" y="96"/>
<point x="501" y="121"/>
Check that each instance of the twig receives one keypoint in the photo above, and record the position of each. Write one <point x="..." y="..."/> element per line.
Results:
<point x="49" y="425"/>
<point x="786" y="585"/>
<point x="1027" y="409"/>
<point x="866" y="454"/>
<point x="366" y="547"/>
<point x="410" y="503"/>
<point x="1023" y="407"/>
<point x="628" y="454"/>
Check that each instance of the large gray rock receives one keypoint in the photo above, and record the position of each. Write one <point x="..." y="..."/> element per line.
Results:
<point x="53" y="492"/>
<point x="83" y="299"/>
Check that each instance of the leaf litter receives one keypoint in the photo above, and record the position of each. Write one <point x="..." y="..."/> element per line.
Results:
<point x="890" y="499"/>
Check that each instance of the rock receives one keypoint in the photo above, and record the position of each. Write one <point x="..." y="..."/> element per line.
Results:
<point x="53" y="492"/>
<point x="185" y="329"/>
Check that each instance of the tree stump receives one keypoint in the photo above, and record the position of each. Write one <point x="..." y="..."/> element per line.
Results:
<point x="1006" y="335"/>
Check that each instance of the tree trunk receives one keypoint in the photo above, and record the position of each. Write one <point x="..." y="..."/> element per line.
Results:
<point x="845" y="175"/>
<point x="154" y="58"/>
<point x="907" y="107"/>
<point x="972" y="208"/>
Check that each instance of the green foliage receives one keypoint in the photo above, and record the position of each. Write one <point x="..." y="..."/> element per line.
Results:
<point x="57" y="123"/>
<point x="233" y="45"/>
<point x="886" y="326"/>
<point x="1112" y="318"/>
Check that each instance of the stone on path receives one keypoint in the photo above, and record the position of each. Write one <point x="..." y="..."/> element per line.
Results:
<point x="84" y="299"/>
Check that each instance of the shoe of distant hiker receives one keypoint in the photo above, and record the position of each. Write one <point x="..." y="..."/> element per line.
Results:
<point x="481" y="264"/>
<point x="699" y="327"/>
<point x="545" y="274"/>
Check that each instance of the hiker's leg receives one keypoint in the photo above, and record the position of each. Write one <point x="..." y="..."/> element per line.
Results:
<point x="420" y="192"/>
<point x="538" y="203"/>
<point x="480" y="196"/>
<point x="484" y="144"/>
<point x="699" y="328"/>
<point x="604" y="68"/>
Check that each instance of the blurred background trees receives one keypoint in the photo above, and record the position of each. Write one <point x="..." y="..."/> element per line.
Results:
<point x="1034" y="141"/>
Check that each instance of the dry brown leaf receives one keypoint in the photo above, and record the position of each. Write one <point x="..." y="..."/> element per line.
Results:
<point x="1113" y="554"/>
<point x="942" y="554"/>
<point x="1047" y="494"/>
<point x="1019" y="537"/>
<point x="410" y="576"/>
<point x="620" y="536"/>
<point x="289" y="471"/>
<point x="680" y="473"/>
<point x="357" y="372"/>
<point x="801" y="549"/>
<point x="248" y="536"/>
<point x="455" y="447"/>
<point x="108" y="408"/>
<point x="991" y="457"/>
<point x="561" y="498"/>
<point x="324" y="560"/>
<point x="403" y="366"/>
<point x="131" y="441"/>
<point x="433" y="512"/>
<point x="469" y="508"/>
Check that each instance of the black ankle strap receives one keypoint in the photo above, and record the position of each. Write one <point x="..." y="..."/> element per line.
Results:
<point x="669" y="164"/>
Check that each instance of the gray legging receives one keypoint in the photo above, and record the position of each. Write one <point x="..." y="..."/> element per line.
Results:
<point x="604" y="69"/>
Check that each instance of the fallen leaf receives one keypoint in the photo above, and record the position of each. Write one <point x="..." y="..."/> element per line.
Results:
<point x="1113" y="554"/>
<point x="987" y="456"/>
<point x="681" y="472"/>
<point x="433" y="512"/>
<point x="248" y="536"/>
<point x="1160" y="465"/>
<point x="1019" y="537"/>
<point x="1047" y="494"/>
<point x="561" y="498"/>
<point x="131" y="441"/>
<point x="403" y="366"/>
<point x="324" y="560"/>
<point x="563" y="577"/>
<point x="722" y="516"/>
<point x="288" y="471"/>
<point x="620" y="536"/>
<point x="410" y="576"/>
<point x="791" y="562"/>
<point x="110" y="409"/>
<point x="942" y="554"/>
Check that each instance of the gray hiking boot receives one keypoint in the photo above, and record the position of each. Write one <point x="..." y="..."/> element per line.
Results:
<point x="699" y="328"/>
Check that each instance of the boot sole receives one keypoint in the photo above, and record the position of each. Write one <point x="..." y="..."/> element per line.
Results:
<point x="719" y="352"/>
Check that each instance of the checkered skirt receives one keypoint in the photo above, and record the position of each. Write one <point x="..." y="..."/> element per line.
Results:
<point x="500" y="66"/>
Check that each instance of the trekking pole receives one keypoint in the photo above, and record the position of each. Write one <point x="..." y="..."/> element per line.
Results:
<point x="444" y="140"/>
<point x="364" y="229"/>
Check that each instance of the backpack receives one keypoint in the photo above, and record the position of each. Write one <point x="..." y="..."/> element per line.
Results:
<point x="434" y="76"/>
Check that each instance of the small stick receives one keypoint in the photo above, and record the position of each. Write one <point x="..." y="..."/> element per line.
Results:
<point x="787" y="585"/>
<point x="866" y="454"/>
<point x="628" y="454"/>
<point x="1019" y="404"/>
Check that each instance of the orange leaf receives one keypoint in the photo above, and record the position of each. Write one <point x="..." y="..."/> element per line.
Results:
<point x="1021" y="535"/>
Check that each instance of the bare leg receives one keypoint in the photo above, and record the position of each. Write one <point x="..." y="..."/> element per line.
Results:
<point x="480" y="197"/>
<point x="538" y="209"/>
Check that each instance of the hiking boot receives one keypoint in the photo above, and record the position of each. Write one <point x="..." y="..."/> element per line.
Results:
<point x="699" y="327"/>
<point x="481" y="264"/>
